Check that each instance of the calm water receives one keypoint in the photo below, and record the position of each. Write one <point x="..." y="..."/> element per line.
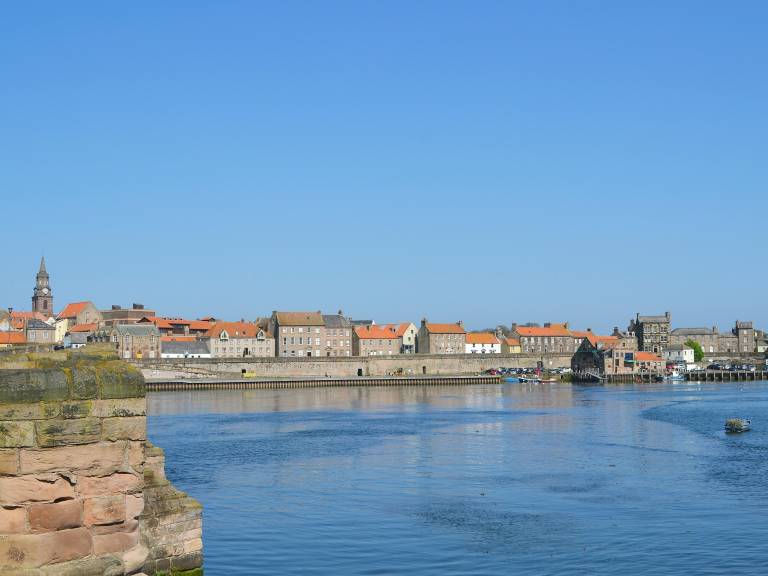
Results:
<point x="485" y="480"/>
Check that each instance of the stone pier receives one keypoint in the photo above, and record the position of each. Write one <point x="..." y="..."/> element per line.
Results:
<point x="82" y="491"/>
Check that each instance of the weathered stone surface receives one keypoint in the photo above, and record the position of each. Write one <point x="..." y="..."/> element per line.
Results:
<point x="187" y="561"/>
<point x="9" y="462"/>
<point x="68" y="432"/>
<point x="104" y="510"/>
<point x="35" y="550"/>
<point x="136" y="454"/>
<point x="103" y="566"/>
<point x="100" y="458"/>
<point x="16" y="433"/>
<point x="135" y="558"/>
<point x="118" y="483"/>
<point x="124" y="428"/>
<point x="117" y="542"/>
<point x="127" y="526"/>
<point x="26" y="386"/>
<point x="134" y="505"/>
<point x="119" y="407"/>
<point x="84" y="383"/>
<point x="38" y="488"/>
<point x="22" y="411"/>
<point x="120" y="381"/>
<point x="56" y="516"/>
<point x="76" y="408"/>
<point x="13" y="520"/>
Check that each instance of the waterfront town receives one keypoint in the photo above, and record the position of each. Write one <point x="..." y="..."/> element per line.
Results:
<point x="649" y="343"/>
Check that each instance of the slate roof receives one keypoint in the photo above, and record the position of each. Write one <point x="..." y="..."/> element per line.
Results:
<point x="184" y="347"/>
<point x="78" y="338"/>
<point x="692" y="331"/>
<point x="650" y="319"/>
<point x="137" y="330"/>
<point x="336" y="321"/>
<point x="35" y="324"/>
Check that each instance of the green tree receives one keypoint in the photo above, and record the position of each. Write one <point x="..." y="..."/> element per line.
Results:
<point x="698" y="352"/>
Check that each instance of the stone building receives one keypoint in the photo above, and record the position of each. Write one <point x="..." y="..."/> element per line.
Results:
<point x="338" y="335"/>
<point x="652" y="332"/>
<point x="746" y="336"/>
<point x="551" y="338"/>
<point x="649" y="362"/>
<point x="298" y="333"/>
<point x="375" y="340"/>
<point x="119" y="315"/>
<point x="482" y="343"/>
<point x="679" y="354"/>
<point x="5" y="321"/>
<point x="239" y="340"/>
<point x="613" y="354"/>
<point x="73" y="314"/>
<point x="407" y="333"/>
<point x="708" y="338"/>
<point x="741" y="339"/>
<point x="42" y="296"/>
<point x="132" y="341"/>
<point x="441" y="338"/>
<point x="39" y="332"/>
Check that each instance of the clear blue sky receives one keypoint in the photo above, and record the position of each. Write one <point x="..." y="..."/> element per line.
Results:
<point x="484" y="161"/>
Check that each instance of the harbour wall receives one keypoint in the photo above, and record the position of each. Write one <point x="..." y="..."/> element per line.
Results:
<point x="343" y="367"/>
<point x="82" y="491"/>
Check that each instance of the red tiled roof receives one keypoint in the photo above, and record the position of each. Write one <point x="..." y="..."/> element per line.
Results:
<point x="399" y="329"/>
<point x="482" y="338"/>
<point x="169" y="323"/>
<point x="84" y="327"/>
<point x="373" y="332"/>
<point x="235" y="330"/>
<point x="178" y="338"/>
<point x="554" y="330"/>
<point x="28" y="315"/>
<point x="12" y="338"/>
<point x="445" y="329"/>
<point x="512" y="342"/>
<point x="647" y="357"/>
<point x="72" y="310"/>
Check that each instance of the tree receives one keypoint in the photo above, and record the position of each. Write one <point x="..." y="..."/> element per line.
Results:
<point x="698" y="352"/>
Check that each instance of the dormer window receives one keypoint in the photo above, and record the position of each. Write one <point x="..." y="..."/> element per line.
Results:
<point x="223" y="336"/>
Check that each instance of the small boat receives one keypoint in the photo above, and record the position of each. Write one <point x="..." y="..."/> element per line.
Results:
<point x="532" y="380"/>
<point x="736" y="425"/>
<point x="675" y="376"/>
<point x="549" y="380"/>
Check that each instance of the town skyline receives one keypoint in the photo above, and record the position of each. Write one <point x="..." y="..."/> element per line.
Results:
<point x="239" y="311"/>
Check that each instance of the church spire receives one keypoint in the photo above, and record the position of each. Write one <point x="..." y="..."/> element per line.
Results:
<point x="42" y="270"/>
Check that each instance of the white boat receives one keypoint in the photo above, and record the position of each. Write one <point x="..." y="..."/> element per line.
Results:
<point x="674" y="376"/>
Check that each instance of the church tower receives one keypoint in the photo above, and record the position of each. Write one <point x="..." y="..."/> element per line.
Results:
<point x="42" y="298"/>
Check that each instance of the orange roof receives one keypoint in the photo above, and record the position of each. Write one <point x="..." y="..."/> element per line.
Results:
<point x="647" y="357"/>
<point x="235" y="330"/>
<point x="12" y="338"/>
<point x="399" y="329"/>
<point x="512" y="341"/>
<point x="373" y="332"/>
<point x="72" y="310"/>
<point x="178" y="338"/>
<point x="482" y="338"/>
<point x="84" y="327"/>
<point x="28" y="315"/>
<point x="17" y="323"/>
<point x="553" y="330"/>
<point x="445" y="329"/>
<point x="169" y="323"/>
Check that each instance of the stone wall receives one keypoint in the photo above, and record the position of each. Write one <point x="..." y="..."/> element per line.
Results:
<point x="82" y="492"/>
<point x="343" y="367"/>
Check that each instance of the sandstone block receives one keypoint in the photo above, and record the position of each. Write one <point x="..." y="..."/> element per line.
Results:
<point x="35" y="550"/>
<point x="120" y="407"/>
<point x="134" y="505"/>
<point x="117" y="483"/>
<point x="117" y="542"/>
<point x="104" y="510"/>
<point x="76" y="409"/>
<point x="15" y="434"/>
<point x="127" y="526"/>
<point x="34" y="488"/>
<point x="27" y="386"/>
<point x="32" y="411"/>
<point x="135" y="454"/>
<point x="100" y="458"/>
<point x="84" y="383"/>
<point x="9" y="462"/>
<point x="56" y="516"/>
<point x="124" y="428"/>
<point x="135" y="558"/>
<point x="187" y="561"/>
<point x="102" y="566"/>
<point x="194" y="545"/>
<point x="68" y="432"/>
<point x="120" y="381"/>
<point x="13" y="520"/>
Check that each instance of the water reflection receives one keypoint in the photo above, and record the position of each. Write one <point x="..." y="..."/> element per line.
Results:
<point x="473" y="480"/>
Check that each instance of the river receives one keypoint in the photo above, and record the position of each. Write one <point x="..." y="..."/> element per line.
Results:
<point x="474" y="480"/>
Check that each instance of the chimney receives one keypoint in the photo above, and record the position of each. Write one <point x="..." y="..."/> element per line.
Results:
<point x="668" y="315"/>
<point x="340" y="312"/>
<point x="423" y="321"/>
<point x="616" y="331"/>
<point x="547" y="324"/>
<point x="138" y="306"/>
<point x="513" y="327"/>
<point x="116" y="307"/>
<point x="461" y="324"/>
<point x="589" y="330"/>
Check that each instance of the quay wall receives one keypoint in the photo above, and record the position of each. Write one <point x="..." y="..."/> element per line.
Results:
<point x="344" y="367"/>
<point x="82" y="491"/>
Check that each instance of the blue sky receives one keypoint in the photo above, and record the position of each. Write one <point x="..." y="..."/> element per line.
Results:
<point x="484" y="161"/>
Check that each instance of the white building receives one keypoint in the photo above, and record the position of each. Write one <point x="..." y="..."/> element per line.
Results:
<point x="678" y="354"/>
<point x="482" y="343"/>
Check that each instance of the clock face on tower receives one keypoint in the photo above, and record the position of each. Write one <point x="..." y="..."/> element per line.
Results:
<point x="45" y="290"/>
